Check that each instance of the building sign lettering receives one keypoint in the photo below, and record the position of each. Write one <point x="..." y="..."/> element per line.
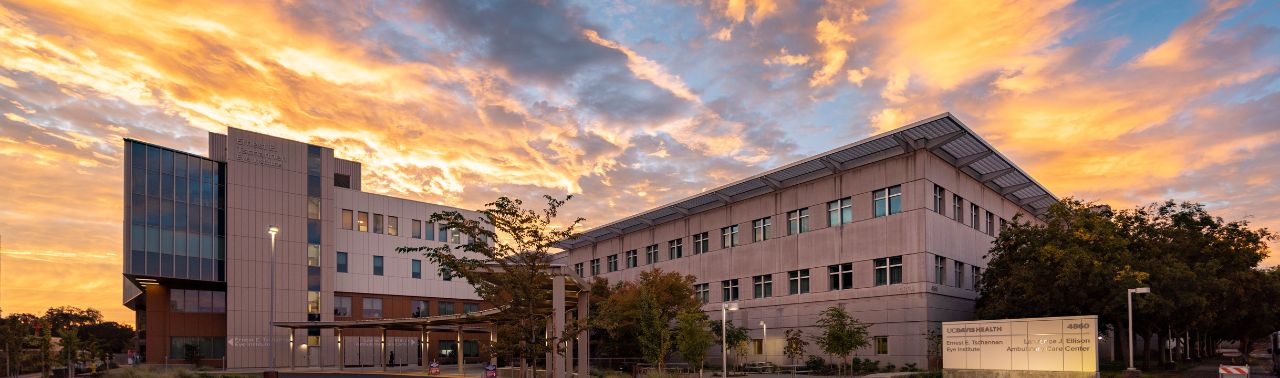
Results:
<point x="249" y="151"/>
<point x="1035" y="344"/>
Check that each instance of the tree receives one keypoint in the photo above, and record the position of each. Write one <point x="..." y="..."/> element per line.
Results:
<point x="191" y="353"/>
<point x="693" y="338"/>
<point x="506" y="259"/>
<point x="841" y="334"/>
<point x="14" y="330"/>
<point x="637" y="314"/>
<point x="794" y="345"/>
<point x="735" y="338"/>
<point x="67" y="317"/>
<point x="113" y="337"/>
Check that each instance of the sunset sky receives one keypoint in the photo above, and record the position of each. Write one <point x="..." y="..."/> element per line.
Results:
<point x="627" y="104"/>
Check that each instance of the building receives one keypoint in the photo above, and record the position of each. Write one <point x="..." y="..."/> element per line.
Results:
<point x="892" y="228"/>
<point x="198" y="256"/>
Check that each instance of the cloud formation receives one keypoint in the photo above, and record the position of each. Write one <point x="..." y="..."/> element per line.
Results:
<point x="457" y="102"/>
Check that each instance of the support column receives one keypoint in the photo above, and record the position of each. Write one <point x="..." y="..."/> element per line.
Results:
<point x="424" y="342"/>
<point x="342" y="358"/>
<point x="291" y="332"/>
<point x="382" y="346"/>
<point x="558" y="315"/>
<point x="584" y="336"/>
<point x="493" y="340"/>
<point x="458" y="350"/>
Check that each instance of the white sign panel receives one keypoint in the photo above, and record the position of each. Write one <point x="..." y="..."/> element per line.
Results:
<point x="1036" y="344"/>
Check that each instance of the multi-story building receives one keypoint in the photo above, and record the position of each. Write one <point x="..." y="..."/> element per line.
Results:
<point x="198" y="258"/>
<point x="892" y="228"/>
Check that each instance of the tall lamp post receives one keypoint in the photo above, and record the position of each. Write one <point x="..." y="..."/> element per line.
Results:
<point x="271" y="315"/>
<point x="1140" y="290"/>
<point x="724" y="335"/>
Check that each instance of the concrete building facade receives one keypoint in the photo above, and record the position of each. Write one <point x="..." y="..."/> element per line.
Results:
<point x="198" y="261"/>
<point x="892" y="228"/>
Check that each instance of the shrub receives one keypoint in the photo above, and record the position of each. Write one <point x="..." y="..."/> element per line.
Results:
<point x="815" y="364"/>
<point x="871" y="366"/>
<point x="890" y="368"/>
<point x="910" y="367"/>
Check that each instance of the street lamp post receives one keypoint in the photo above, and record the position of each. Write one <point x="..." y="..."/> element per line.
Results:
<point x="724" y="335"/>
<point x="1140" y="290"/>
<point x="271" y="315"/>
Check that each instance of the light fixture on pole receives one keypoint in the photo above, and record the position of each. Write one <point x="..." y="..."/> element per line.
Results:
<point x="764" y="340"/>
<point x="724" y="332"/>
<point x="1140" y="290"/>
<point x="271" y="310"/>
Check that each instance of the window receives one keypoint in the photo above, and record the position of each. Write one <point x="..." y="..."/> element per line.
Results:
<point x="341" y="306"/>
<point x="347" y="222"/>
<point x="991" y="224"/>
<point x="313" y="208"/>
<point x="362" y="221"/>
<point x="211" y="348"/>
<point x="840" y="211"/>
<point x="577" y="268"/>
<point x="977" y="275"/>
<point x="372" y="308"/>
<point x="421" y="309"/>
<point x="887" y="201"/>
<point x="729" y="236"/>
<point x="455" y="236"/>
<point x="197" y="301"/>
<point x="613" y="263"/>
<point x="341" y="180"/>
<point x="757" y="345"/>
<point x="959" y="274"/>
<point x="468" y="308"/>
<point x="701" y="243"/>
<point x="840" y="276"/>
<point x="973" y="216"/>
<point x="313" y="255"/>
<point x="377" y="223"/>
<point x="957" y="208"/>
<point x="342" y="262"/>
<point x="888" y="270"/>
<point x="939" y="270"/>
<point x="444" y="233"/>
<point x="446" y="274"/>
<point x="762" y="286"/>
<point x="595" y="266"/>
<point x="416" y="232"/>
<point x="882" y="345"/>
<point x="631" y="259"/>
<point x="1003" y="224"/>
<point x="798" y="281"/>
<point x="651" y="254"/>
<point x="939" y="199"/>
<point x="702" y="292"/>
<point x="429" y="231"/>
<point x="675" y="249"/>
<point x="446" y="308"/>
<point x="760" y="229"/>
<point x="448" y="348"/>
<point x="470" y="348"/>
<point x="797" y="221"/>
<point x="729" y="290"/>
<point x="416" y="268"/>
<point x="377" y="265"/>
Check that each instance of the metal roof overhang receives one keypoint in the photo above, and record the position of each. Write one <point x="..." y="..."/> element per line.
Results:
<point x="943" y="135"/>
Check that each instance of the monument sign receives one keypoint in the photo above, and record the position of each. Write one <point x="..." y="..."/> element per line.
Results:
<point x="1059" y="344"/>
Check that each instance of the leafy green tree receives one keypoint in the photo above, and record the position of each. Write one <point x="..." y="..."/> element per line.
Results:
<point x="841" y="334"/>
<point x="111" y="336"/>
<point x="637" y="314"/>
<point x="67" y="317"/>
<point x="506" y="258"/>
<point x="794" y="345"/>
<point x="655" y="333"/>
<point x="693" y="338"/>
<point x="735" y="338"/>
<point x="14" y="330"/>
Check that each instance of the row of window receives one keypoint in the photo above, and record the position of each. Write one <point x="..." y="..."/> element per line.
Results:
<point x="886" y="201"/>
<point x="888" y="271"/>
<point x="197" y="301"/>
<point x="415" y="267"/>
<point x="390" y="225"/>
<point x="881" y="344"/>
<point x="940" y="274"/>
<point x="957" y="212"/>
<point x="371" y="308"/>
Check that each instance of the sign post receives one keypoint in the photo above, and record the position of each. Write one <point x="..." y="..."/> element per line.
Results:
<point x="1058" y="346"/>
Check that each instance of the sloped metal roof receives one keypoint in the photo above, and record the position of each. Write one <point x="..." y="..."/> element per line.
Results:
<point x="943" y="135"/>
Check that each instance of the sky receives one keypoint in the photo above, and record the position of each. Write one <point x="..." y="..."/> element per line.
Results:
<point x="628" y="105"/>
